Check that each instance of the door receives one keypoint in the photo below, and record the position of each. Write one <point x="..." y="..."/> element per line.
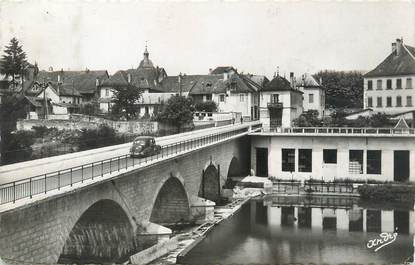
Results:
<point x="275" y="116"/>
<point x="401" y="165"/>
<point x="262" y="162"/>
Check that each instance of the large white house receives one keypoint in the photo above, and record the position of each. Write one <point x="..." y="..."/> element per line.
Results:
<point x="389" y="87"/>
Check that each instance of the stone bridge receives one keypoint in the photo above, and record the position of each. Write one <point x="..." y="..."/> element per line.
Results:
<point x="130" y="211"/>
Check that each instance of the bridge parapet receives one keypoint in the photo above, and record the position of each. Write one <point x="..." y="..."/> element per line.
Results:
<point x="66" y="179"/>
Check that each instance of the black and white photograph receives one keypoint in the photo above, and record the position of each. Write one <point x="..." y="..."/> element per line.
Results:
<point x="207" y="132"/>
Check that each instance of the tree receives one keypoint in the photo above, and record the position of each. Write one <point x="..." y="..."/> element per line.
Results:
<point x="343" y="89"/>
<point x="178" y="111"/>
<point x="206" y="106"/>
<point x="308" y="119"/>
<point x="12" y="108"/>
<point x="125" y="99"/>
<point x="13" y="62"/>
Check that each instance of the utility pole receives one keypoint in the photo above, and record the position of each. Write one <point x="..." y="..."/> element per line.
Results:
<point x="180" y="83"/>
<point x="44" y="85"/>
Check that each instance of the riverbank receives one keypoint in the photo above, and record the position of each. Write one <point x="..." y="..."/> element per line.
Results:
<point x="186" y="241"/>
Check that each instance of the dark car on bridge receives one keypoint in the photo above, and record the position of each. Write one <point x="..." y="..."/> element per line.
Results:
<point x="144" y="146"/>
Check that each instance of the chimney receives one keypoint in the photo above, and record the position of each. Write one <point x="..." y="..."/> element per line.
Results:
<point x="393" y="46"/>
<point x="292" y="80"/>
<point x="399" y="43"/>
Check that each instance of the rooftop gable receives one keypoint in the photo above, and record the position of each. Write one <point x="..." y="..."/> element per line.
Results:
<point x="396" y="64"/>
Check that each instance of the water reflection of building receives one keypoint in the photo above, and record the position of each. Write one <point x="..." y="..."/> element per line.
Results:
<point x="340" y="219"/>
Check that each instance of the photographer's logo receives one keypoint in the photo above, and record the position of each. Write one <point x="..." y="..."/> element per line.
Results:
<point x="384" y="240"/>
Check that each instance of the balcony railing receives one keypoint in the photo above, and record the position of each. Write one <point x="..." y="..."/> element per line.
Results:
<point x="341" y="131"/>
<point x="275" y="105"/>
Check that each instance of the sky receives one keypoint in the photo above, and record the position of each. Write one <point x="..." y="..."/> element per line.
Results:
<point x="256" y="37"/>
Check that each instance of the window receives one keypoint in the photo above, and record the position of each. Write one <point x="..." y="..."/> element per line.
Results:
<point x="305" y="157"/>
<point x="374" y="162"/>
<point x="221" y="98"/>
<point x="330" y="156"/>
<point x="107" y="92"/>
<point x="389" y="84"/>
<point x="409" y="101"/>
<point x="288" y="160"/>
<point x="369" y="85"/>
<point x="398" y="101"/>
<point x="379" y="102"/>
<point x="310" y="98"/>
<point x="379" y="85"/>
<point x="398" y="83"/>
<point x="356" y="161"/>
<point x="209" y="97"/>
<point x="241" y="97"/>
<point x="369" y="102"/>
<point x="408" y="83"/>
<point x="389" y="102"/>
<point x="275" y="98"/>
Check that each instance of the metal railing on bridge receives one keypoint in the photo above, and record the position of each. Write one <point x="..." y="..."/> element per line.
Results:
<point x="28" y="187"/>
<point x="342" y="131"/>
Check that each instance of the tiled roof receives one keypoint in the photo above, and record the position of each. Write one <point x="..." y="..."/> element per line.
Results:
<point x="279" y="83"/>
<point x="403" y="64"/>
<point x="37" y="102"/>
<point x="261" y="80"/>
<point x="65" y="89"/>
<point x="84" y="81"/>
<point x="145" y="78"/>
<point x="209" y="84"/>
<point x="307" y="80"/>
<point x="171" y="83"/>
<point x="222" y="69"/>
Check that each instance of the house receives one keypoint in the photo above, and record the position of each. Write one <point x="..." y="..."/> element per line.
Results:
<point x="280" y="102"/>
<point x="389" y="87"/>
<point x="145" y="78"/>
<point x="314" y="96"/>
<point x="231" y="91"/>
<point x="84" y="84"/>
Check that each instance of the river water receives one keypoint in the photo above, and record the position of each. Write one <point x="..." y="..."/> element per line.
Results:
<point x="309" y="231"/>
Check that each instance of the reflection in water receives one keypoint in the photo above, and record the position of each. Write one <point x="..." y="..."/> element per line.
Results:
<point x="275" y="233"/>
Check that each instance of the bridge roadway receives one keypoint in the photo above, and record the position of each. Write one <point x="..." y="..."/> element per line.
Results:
<point x="37" y="176"/>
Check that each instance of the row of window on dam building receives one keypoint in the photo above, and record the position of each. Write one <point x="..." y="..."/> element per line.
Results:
<point x="333" y="157"/>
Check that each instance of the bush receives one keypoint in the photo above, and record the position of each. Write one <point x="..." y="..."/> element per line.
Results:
<point x="17" y="147"/>
<point x="387" y="193"/>
<point x="94" y="138"/>
<point x="206" y="106"/>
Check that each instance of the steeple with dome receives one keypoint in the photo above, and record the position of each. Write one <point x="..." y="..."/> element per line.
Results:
<point x="146" y="62"/>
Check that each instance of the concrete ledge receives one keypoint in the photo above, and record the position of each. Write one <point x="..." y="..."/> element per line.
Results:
<point x="154" y="252"/>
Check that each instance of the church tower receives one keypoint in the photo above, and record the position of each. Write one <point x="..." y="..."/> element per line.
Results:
<point x="146" y="62"/>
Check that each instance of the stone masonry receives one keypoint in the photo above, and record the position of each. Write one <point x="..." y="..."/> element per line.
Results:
<point x="38" y="231"/>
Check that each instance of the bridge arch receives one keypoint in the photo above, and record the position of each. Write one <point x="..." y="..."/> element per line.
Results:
<point x="210" y="184"/>
<point x="171" y="204"/>
<point x="103" y="232"/>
